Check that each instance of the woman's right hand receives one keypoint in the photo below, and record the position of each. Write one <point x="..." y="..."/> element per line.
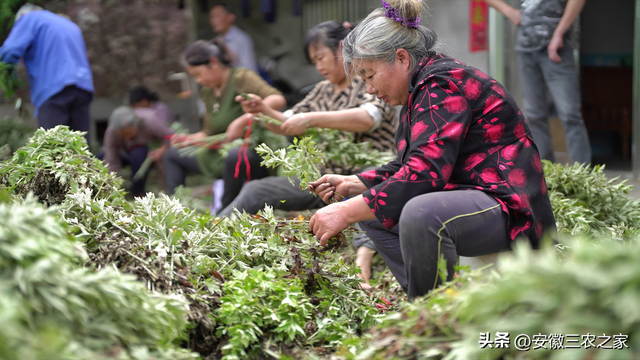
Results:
<point x="180" y="140"/>
<point x="252" y="106"/>
<point x="337" y="187"/>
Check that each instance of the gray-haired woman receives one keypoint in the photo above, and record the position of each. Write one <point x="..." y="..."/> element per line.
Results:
<point x="468" y="178"/>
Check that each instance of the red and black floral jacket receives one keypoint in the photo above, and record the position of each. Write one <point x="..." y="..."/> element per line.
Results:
<point x="462" y="130"/>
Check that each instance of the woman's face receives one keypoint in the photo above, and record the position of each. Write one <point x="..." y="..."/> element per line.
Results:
<point x="328" y="63"/>
<point x="128" y="132"/>
<point x="207" y="75"/>
<point x="389" y="82"/>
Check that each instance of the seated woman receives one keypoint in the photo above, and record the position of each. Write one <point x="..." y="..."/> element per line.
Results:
<point x="208" y="63"/>
<point x="127" y="139"/>
<point x="468" y="178"/>
<point x="336" y="103"/>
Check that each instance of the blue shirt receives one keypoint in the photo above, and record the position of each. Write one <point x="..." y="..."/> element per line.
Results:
<point x="240" y="43"/>
<point x="53" y="51"/>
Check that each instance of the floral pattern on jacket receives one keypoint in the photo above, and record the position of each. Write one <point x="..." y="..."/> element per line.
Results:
<point x="462" y="130"/>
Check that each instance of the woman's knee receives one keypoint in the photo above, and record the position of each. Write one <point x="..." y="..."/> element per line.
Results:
<point x="419" y="212"/>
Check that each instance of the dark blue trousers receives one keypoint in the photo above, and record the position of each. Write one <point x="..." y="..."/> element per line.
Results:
<point x="134" y="158"/>
<point x="68" y="107"/>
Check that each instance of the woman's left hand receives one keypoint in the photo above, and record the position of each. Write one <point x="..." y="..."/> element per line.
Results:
<point x="295" y="125"/>
<point x="329" y="221"/>
<point x="237" y="128"/>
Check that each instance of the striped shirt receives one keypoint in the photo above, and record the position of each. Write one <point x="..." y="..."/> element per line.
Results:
<point x="323" y="98"/>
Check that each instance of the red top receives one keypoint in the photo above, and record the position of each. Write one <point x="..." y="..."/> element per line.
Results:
<point x="462" y="130"/>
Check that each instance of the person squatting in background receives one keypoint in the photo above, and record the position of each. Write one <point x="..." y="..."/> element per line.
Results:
<point x="127" y="139"/>
<point x="335" y="103"/>
<point x="468" y="179"/>
<point x="54" y="52"/>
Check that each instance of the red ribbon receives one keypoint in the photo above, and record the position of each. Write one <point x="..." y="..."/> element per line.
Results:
<point x="242" y="153"/>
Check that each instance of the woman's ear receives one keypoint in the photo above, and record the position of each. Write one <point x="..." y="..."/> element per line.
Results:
<point x="213" y="61"/>
<point x="403" y="58"/>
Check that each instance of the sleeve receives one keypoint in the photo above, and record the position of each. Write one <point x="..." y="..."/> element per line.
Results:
<point x="18" y="42"/>
<point x="439" y="118"/>
<point x="312" y="97"/>
<point x="374" y="177"/>
<point x="154" y="121"/>
<point x="250" y="82"/>
<point x="112" y="151"/>
<point x="167" y="114"/>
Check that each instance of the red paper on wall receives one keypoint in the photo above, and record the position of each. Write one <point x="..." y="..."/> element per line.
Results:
<point x="478" y="16"/>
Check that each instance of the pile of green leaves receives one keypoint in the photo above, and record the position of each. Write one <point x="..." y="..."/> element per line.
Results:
<point x="586" y="202"/>
<point x="14" y="132"/>
<point x="318" y="148"/>
<point x="175" y="251"/>
<point x="422" y="329"/>
<point x="339" y="149"/>
<point x="594" y="292"/>
<point x="55" y="163"/>
<point x="9" y="82"/>
<point x="556" y="301"/>
<point x="52" y="307"/>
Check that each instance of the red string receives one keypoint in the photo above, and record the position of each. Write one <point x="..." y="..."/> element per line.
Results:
<point x="242" y="153"/>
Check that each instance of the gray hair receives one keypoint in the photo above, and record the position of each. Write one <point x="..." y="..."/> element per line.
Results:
<point x="123" y="117"/>
<point x="201" y="52"/>
<point x="378" y="37"/>
<point x="27" y="8"/>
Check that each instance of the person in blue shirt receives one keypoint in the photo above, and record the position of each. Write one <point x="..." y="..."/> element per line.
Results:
<point x="54" y="52"/>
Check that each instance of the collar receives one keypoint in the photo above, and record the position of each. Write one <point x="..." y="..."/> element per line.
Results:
<point x="421" y="72"/>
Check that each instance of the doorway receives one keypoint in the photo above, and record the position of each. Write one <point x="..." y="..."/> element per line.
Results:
<point x="606" y="72"/>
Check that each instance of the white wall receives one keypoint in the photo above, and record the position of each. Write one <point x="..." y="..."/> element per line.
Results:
<point x="450" y="20"/>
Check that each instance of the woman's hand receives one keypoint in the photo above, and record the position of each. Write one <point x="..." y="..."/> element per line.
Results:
<point x="186" y="140"/>
<point x="337" y="187"/>
<point x="295" y="125"/>
<point x="252" y="106"/>
<point x="237" y="128"/>
<point x="329" y="221"/>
